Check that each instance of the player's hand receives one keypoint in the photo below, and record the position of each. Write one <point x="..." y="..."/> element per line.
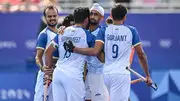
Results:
<point x="68" y="46"/>
<point x="149" y="81"/>
<point x="61" y="30"/>
<point x="48" y="70"/>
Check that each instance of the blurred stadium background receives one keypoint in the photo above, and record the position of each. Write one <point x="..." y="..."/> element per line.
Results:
<point x="156" y="20"/>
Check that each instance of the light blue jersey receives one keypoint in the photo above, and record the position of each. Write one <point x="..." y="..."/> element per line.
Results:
<point x="93" y="63"/>
<point x="72" y="64"/>
<point x="118" y="41"/>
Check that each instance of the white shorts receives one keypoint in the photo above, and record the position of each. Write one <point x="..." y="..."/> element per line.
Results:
<point x="95" y="88"/>
<point x="118" y="86"/>
<point x="39" y="89"/>
<point x="66" y="88"/>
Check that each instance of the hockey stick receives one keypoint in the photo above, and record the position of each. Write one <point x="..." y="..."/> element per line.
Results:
<point x="153" y="85"/>
<point x="45" y="92"/>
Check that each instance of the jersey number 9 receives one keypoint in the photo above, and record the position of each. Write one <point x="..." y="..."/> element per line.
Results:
<point x="115" y="50"/>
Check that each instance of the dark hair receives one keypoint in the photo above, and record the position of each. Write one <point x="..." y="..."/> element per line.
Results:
<point x="109" y="20"/>
<point x="68" y="20"/>
<point x="49" y="7"/>
<point x="80" y="14"/>
<point x="118" y="12"/>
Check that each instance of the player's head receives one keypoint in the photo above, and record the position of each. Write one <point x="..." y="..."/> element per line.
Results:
<point x="81" y="16"/>
<point x="51" y="15"/>
<point x="118" y="12"/>
<point x="96" y="14"/>
<point x="68" y="20"/>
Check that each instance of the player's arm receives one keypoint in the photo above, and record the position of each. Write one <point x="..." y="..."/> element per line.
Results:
<point x="99" y="43"/>
<point x="90" y="51"/>
<point x="49" y="52"/>
<point x="141" y="54"/>
<point x="142" y="59"/>
<point x="40" y="47"/>
<point x="55" y="58"/>
<point x="39" y="62"/>
<point x="101" y="56"/>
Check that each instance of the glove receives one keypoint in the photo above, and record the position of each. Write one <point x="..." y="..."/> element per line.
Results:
<point x="68" y="46"/>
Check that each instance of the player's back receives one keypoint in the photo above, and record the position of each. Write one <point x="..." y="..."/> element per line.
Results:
<point x="118" y="45"/>
<point x="72" y="64"/>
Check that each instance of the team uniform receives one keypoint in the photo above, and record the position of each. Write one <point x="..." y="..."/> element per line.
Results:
<point x="67" y="80"/>
<point x="118" y="41"/>
<point x="94" y="83"/>
<point x="43" y="41"/>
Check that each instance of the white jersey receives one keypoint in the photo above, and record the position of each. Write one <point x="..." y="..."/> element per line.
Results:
<point x="93" y="63"/>
<point x="44" y="39"/>
<point x="72" y="64"/>
<point x="118" y="41"/>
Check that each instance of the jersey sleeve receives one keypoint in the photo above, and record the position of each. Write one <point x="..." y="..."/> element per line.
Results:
<point x="90" y="39"/>
<point x="135" y="38"/>
<point x="100" y="36"/>
<point x="55" y="42"/>
<point x="41" y="41"/>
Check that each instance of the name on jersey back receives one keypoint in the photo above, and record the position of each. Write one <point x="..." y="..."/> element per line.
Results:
<point x="73" y="39"/>
<point x="116" y="37"/>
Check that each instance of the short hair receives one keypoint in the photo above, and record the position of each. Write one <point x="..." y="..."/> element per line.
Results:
<point x="68" y="20"/>
<point x="118" y="12"/>
<point x="49" y="7"/>
<point x="109" y="21"/>
<point x="80" y="14"/>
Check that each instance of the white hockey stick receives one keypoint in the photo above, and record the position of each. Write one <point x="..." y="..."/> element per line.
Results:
<point x="153" y="85"/>
<point x="45" y="92"/>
